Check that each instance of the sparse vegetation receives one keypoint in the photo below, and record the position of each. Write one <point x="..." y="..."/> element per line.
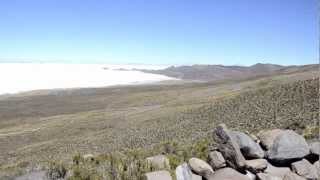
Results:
<point x="56" y="170"/>
<point x="312" y="132"/>
<point x="131" y="163"/>
<point x="175" y="120"/>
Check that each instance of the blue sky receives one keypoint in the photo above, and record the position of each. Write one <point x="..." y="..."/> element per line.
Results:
<point x="230" y="32"/>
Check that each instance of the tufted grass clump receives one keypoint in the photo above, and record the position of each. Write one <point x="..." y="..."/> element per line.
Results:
<point x="312" y="132"/>
<point x="113" y="166"/>
<point x="56" y="170"/>
<point x="131" y="163"/>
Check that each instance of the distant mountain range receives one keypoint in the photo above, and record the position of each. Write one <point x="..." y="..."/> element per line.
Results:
<point x="220" y="72"/>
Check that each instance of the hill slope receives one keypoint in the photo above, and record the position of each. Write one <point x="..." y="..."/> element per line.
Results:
<point x="220" y="72"/>
<point x="40" y="128"/>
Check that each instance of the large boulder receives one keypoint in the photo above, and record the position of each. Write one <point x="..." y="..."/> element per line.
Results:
<point x="266" y="176"/>
<point x="229" y="148"/>
<point x="305" y="169"/>
<point x="158" y="162"/>
<point x="216" y="160"/>
<point x="288" y="176"/>
<point x="183" y="172"/>
<point x="200" y="167"/>
<point x="288" y="146"/>
<point x="276" y="171"/>
<point x="268" y="136"/>
<point x="228" y="174"/>
<point x="256" y="165"/>
<point x="248" y="147"/>
<point x="158" y="175"/>
<point x="292" y="176"/>
<point x="315" y="148"/>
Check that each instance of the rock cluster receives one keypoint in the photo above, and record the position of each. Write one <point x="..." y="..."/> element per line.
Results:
<point x="274" y="155"/>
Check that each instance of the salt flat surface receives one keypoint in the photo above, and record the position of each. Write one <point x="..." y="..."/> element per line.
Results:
<point x="22" y="77"/>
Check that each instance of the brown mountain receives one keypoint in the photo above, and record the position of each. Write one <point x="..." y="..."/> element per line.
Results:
<point x="220" y="72"/>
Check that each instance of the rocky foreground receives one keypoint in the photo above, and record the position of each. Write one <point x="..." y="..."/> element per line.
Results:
<point x="272" y="155"/>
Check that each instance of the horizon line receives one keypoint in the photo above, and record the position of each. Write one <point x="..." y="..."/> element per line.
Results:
<point x="97" y="62"/>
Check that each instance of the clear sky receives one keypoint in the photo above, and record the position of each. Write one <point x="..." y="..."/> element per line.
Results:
<point x="230" y="32"/>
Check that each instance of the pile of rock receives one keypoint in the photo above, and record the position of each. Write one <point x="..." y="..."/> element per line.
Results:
<point x="272" y="155"/>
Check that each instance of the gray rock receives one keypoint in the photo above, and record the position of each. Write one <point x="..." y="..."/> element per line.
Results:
<point x="265" y="176"/>
<point x="293" y="176"/>
<point x="317" y="166"/>
<point x="305" y="169"/>
<point x="200" y="167"/>
<point x="158" y="175"/>
<point x="228" y="174"/>
<point x="276" y="171"/>
<point x="256" y="165"/>
<point x="288" y="146"/>
<point x="248" y="147"/>
<point x="250" y="175"/>
<point x="268" y="136"/>
<point x="183" y="172"/>
<point x="229" y="148"/>
<point x="196" y="177"/>
<point x="253" y="137"/>
<point x="158" y="162"/>
<point x="216" y="160"/>
<point x="315" y="148"/>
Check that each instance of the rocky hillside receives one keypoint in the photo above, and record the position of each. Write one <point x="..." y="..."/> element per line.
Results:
<point x="265" y="153"/>
<point x="121" y="126"/>
<point x="274" y="154"/>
